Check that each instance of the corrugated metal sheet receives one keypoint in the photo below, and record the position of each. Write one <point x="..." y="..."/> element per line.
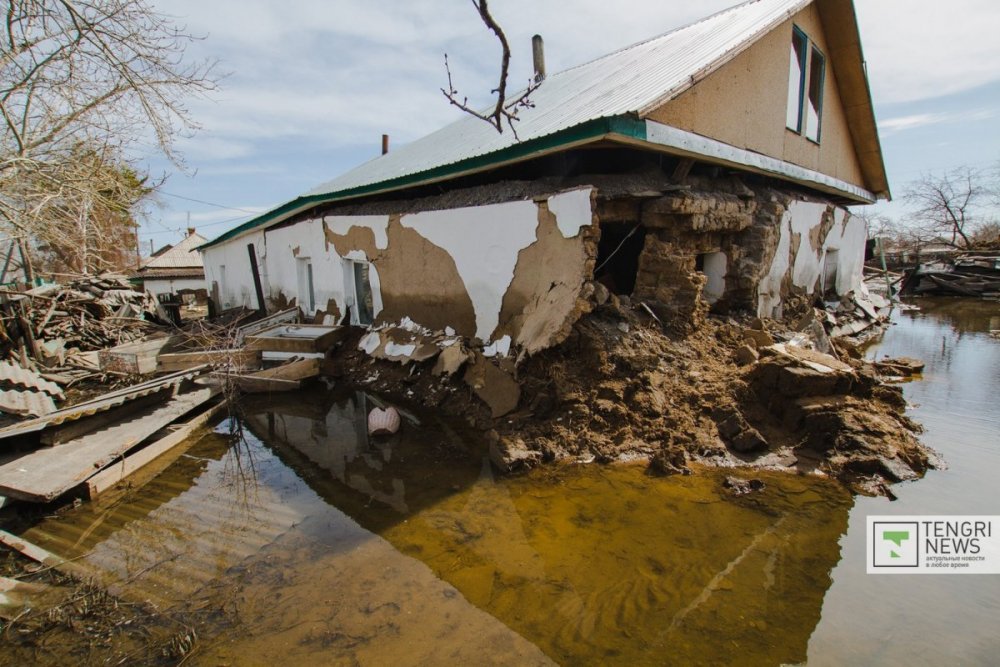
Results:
<point x="11" y="373"/>
<point x="24" y="403"/>
<point x="624" y="82"/>
<point x="607" y="91"/>
<point x="100" y="404"/>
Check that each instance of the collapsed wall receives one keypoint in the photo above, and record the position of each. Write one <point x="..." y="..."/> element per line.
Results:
<point x="723" y="246"/>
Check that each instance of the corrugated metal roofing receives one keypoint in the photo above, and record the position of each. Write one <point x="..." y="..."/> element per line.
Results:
<point x="629" y="81"/>
<point x="183" y="255"/>
<point x="101" y="403"/>
<point x="24" y="403"/>
<point x="11" y="373"/>
<point x="604" y="97"/>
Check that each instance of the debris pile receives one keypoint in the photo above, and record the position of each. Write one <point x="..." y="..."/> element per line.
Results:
<point x="55" y="336"/>
<point x="972" y="274"/>
<point x="732" y="392"/>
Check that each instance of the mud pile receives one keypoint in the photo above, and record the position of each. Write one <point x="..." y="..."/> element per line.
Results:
<point x="729" y="393"/>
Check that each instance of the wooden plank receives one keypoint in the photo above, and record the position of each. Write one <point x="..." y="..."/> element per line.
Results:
<point x="112" y="475"/>
<point x="176" y="361"/>
<point x="299" y="338"/>
<point x="300" y="369"/>
<point x="255" y="385"/>
<point x="45" y="474"/>
<point x="29" y="550"/>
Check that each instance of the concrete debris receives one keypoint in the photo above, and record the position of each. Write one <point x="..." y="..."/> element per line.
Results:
<point x="739" y="487"/>
<point x="451" y="360"/>
<point x="495" y="387"/>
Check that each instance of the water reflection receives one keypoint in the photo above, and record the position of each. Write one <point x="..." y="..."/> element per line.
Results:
<point x="309" y="541"/>
<point x="590" y="564"/>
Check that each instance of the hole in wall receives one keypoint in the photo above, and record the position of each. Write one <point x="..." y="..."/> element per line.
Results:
<point x="713" y="265"/>
<point x="618" y="256"/>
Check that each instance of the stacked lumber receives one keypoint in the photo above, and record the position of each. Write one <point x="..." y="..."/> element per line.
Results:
<point x="970" y="275"/>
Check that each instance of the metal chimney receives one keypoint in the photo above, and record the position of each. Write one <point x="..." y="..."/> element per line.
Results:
<point x="538" y="54"/>
<point x="385" y="144"/>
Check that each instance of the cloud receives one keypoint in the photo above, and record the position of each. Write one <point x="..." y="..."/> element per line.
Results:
<point x="913" y="121"/>
<point x="922" y="49"/>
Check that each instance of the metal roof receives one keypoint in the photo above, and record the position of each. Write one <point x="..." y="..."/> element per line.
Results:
<point x="629" y="81"/>
<point x="603" y="97"/>
<point x="183" y="255"/>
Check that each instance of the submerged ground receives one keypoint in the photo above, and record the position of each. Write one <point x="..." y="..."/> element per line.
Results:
<point x="303" y="541"/>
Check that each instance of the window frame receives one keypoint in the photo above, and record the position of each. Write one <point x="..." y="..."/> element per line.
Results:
<point x="798" y="33"/>
<point x="810" y="52"/>
<point x="814" y="52"/>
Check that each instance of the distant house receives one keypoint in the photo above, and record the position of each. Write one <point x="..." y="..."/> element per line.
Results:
<point x="708" y="166"/>
<point x="175" y="269"/>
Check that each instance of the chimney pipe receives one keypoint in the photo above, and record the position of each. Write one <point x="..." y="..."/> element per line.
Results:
<point x="385" y="144"/>
<point x="538" y="55"/>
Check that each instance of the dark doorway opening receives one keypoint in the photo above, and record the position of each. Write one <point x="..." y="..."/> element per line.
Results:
<point x="618" y="256"/>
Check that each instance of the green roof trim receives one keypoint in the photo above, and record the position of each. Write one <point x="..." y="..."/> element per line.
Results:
<point x="628" y="126"/>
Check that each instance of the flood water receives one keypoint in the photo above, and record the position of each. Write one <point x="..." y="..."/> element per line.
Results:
<point x="302" y="541"/>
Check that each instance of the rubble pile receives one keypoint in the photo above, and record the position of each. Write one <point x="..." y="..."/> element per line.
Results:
<point x="731" y="392"/>
<point x="971" y="274"/>
<point x="53" y="334"/>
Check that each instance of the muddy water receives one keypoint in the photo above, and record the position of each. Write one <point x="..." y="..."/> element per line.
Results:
<point x="303" y="541"/>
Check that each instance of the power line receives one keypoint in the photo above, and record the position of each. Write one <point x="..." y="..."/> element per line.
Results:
<point x="207" y="203"/>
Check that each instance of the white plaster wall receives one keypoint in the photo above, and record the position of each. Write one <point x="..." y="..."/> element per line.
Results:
<point x="572" y="210"/>
<point x="332" y="275"/>
<point x="769" y="289"/>
<point x="484" y="242"/>
<point x="238" y="289"/>
<point x="158" y="286"/>
<point x="804" y="217"/>
<point x="847" y="236"/>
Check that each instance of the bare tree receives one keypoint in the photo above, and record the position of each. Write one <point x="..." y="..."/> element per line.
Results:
<point x="99" y="74"/>
<point x="952" y="205"/>
<point x="504" y="110"/>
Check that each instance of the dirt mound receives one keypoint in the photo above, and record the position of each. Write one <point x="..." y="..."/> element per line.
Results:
<point x="621" y="388"/>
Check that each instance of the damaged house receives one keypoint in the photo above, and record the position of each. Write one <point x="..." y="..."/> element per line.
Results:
<point x="707" y="168"/>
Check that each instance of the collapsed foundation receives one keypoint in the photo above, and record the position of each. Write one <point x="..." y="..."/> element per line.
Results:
<point x="609" y="318"/>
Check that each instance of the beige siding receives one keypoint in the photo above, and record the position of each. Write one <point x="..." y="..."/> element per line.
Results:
<point x="744" y="104"/>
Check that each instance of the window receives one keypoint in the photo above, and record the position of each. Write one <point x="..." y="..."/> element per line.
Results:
<point x="806" y="75"/>
<point x="796" y="80"/>
<point x="363" y="297"/>
<point x="307" y="292"/>
<point x="814" y="106"/>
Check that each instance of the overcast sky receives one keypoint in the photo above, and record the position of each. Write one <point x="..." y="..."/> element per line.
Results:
<point x="313" y="84"/>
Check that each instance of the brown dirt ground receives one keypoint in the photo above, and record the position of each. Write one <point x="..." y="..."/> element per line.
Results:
<point x="621" y="388"/>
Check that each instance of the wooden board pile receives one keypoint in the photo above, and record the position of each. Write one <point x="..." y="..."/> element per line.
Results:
<point x="970" y="274"/>
<point x="92" y="446"/>
<point x="54" y="333"/>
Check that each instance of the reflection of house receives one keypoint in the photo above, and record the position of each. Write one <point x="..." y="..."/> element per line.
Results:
<point x="708" y="164"/>
<point x="175" y="269"/>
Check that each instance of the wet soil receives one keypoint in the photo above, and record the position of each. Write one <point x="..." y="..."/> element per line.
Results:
<point x="621" y="388"/>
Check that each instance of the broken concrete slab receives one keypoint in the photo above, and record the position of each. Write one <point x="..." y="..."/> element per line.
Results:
<point x="495" y="387"/>
<point x="451" y="359"/>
